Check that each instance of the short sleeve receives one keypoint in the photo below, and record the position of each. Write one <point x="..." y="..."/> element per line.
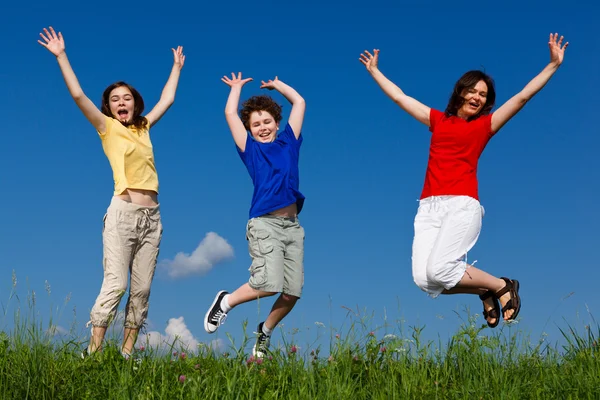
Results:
<point x="288" y="136"/>
<point x="435" y="116"/>
<point x="108" y="125"/>
<point x="247" y="153"/>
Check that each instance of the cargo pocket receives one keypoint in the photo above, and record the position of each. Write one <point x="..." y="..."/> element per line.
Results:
<point x="259" y="243"/>
<point x="258" y="272"/>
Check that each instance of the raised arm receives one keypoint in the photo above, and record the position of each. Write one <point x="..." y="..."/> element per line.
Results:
<point x="518" y="101"/>
<point x="298" y="104"/>
<point x="167" y="96"/>
<point x="415" y="108"/>
<point x="238" y="130"/>
<point x="56" y="45"/>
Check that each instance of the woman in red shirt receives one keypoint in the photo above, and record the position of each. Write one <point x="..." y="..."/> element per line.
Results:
<point x="448" y="221"/>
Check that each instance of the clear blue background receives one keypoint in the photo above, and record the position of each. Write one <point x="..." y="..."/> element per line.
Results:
<point x="362" y="162"/>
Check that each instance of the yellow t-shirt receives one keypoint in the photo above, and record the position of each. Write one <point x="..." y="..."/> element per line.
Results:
<point x="129" y="152"/>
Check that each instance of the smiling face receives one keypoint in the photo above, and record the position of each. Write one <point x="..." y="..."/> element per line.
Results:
<point x="263" y="126"/>
<point x="474" y="95"/>
<point x="474" y="100"/>
<point x="122" y="104"/>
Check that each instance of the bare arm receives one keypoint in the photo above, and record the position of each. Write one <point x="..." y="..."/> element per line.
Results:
<point x="298" y="104"/>
<point x="168" y="94"/>
<point x="412" y="106"/>
<point x="56" y="45"/>
<point x="518" y="101"/>
<point x="236" y="126"/>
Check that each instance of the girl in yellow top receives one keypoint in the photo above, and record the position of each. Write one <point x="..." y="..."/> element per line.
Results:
<point x="132" y="227"/>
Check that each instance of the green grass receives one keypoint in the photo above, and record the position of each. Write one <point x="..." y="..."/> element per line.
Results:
<point x="358" y="365"/>
<point x="476" y="363"/>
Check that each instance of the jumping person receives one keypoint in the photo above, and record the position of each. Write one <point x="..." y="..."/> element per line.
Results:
<point x="448" y="221"/>
<point x="275" y="236"/>
<point x="132" y="228"/>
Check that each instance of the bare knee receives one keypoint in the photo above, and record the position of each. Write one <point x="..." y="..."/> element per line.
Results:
<point x="288" y="298"/>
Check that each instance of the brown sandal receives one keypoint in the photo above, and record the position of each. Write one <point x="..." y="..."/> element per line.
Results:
<point x="514" y="303"/>
<point x="494" y="312"/>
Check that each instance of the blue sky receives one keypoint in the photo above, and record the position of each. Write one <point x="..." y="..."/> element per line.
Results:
<point x="362" y="161"/>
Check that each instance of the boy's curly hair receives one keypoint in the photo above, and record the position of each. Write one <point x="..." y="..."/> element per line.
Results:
<point x="259" y="103"/>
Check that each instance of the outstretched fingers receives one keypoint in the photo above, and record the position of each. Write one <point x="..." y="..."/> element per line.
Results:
<point x="557" y="41"/>
<point x="368" y="59"/>
<point x="235" y="80"/>
<point x="178" y="56"/>
<point x="270" y="84"/>
<point x="51" y="41"/>
<point x="48" y="36"/>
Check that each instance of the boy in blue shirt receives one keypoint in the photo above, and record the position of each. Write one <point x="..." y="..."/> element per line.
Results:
<point x="275" y="237"/>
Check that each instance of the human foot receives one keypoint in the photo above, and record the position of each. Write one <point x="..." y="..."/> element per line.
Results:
<point x="509" y="299"/>
<point x="491" y="308"/>
<point x="215" y="316"/>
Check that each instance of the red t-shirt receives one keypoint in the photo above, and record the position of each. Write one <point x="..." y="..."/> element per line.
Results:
<point x="453" y="154"/>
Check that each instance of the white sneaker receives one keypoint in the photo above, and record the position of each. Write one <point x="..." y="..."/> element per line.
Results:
<point x="262" y="343"/>
<point x="215" y="316"/>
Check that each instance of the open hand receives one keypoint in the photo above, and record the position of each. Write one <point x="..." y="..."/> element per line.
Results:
<point x="53" y="42"/>
<point x="178" y="57"/>
<point x="370" y="60"/>
<point x="270" y="84"/>
<point x="235" y="81"/>
<point x="557" y="49"/>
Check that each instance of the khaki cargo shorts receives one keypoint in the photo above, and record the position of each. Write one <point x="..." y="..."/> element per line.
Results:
<point x="276" y="245"/>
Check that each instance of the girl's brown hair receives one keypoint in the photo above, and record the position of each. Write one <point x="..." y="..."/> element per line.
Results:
<point x="138" y="120"/>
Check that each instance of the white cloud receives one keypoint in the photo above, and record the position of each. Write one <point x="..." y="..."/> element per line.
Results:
<point x="176" y="334"/>
<point x="212" y="250"/>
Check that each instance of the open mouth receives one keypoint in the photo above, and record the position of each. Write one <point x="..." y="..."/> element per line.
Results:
<point x="123" y="114"/>
<point x="474" y="104"/>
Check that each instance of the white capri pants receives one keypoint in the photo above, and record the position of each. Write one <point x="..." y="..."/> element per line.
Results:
<point x="446" y="228"/>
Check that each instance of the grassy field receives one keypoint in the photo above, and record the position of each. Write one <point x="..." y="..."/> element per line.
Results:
<point x="357" y="363"/>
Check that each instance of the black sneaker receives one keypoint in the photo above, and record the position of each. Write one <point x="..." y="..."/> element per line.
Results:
<point x="262" y="342"/>
<point x="215" y="316"/>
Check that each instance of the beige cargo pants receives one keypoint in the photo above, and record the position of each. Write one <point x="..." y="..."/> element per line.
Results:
<point x="131" y="238"/>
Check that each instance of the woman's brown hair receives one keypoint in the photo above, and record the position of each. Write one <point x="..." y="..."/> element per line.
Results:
<point x="468" y="81"/>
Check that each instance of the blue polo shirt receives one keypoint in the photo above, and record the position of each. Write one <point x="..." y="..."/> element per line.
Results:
<point x="273" y="168"/>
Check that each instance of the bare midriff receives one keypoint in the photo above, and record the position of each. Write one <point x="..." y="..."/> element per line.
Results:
<point x="146" y="198"/>
<point x="290" y="211"/>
